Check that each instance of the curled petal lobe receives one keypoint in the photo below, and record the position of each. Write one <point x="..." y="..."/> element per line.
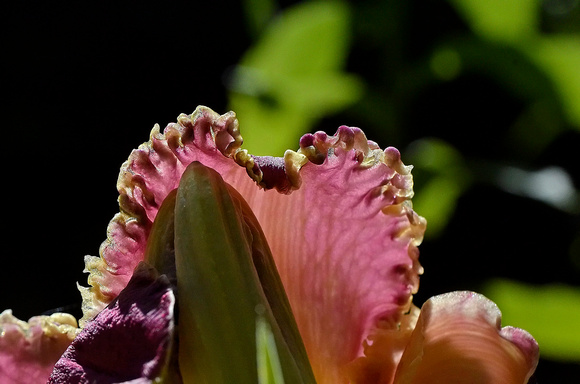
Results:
<point x="128" y="341"/>
<point x="28" y="350"/>
<point x="459" y="339"/>
<point x="382" y="352"/>
<point x="336" y="214"/>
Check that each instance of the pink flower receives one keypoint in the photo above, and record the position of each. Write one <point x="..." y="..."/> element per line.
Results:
<point x="338" y="219"/>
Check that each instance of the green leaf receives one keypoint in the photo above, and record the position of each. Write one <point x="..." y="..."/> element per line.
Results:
<point x="551" y="313"/>
<point x="436" y="202"/>
<point x="257" y="13"/>
<point x="516" y="23"/>
<point x="559" y="57"/>
<point x="311" y="37"/>
<point x="501" y="20"/>
<point x="293" y="76"/>
<point x="443" y="178"/>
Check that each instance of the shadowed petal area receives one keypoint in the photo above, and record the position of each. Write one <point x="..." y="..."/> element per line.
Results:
<point x="336" y="214"/>
<point x="459" y="339"/>
<point x="28" y="350"/>
<point x="128" y="341"/>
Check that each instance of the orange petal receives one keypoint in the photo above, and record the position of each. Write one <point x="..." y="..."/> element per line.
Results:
<point x="459" y="339"/>
<point x="382" y="352"/>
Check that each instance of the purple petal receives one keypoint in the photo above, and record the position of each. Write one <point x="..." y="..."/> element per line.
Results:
<point x="128" y="340"/>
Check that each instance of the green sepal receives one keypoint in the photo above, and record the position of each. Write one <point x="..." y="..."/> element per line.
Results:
<point x="160" y="254"/>
<point x="220" y="294"/>
<point x="160" y="250"/>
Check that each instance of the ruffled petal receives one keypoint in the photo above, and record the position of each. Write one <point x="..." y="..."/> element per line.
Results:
<point x="345" y="245"/>
<point x="128" y="341"/>
<point x="145" y="179"/>
<point x="459" y="339"/>
<point x="28" y="350"/>
<point x="336" y="214"/>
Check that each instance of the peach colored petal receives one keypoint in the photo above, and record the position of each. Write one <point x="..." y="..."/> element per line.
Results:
<point x="128" y="341"/>
<point x="336" y="214"/>
<point x="459" y="339"/>
<point x="345" y="245"/>
<point x="383" y="351"/>
<point x="28" y="350"/>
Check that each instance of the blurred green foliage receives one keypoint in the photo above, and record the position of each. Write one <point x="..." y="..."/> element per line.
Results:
<point x="293" y="75"/>
<point x="443" y="167"/>
<point x="509" y="21"/>
<point x="516" y="24"/>
<point x="560" y="58"/>
<point x="482" y="97"/>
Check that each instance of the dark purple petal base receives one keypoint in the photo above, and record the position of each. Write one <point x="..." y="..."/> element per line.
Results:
<point x="128" y="340"/>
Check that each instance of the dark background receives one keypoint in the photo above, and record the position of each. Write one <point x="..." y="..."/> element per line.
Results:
<point x="84" y="83"/>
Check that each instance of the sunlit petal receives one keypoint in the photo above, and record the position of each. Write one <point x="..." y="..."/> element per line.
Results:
<point x="346" y="247"/>
<point x="382" y="352"/>
<point x="459" y="339"/>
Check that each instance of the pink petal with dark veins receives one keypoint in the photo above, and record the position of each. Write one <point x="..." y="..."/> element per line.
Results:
<point x="345" y="246"/>
<point x="336" y="214"/>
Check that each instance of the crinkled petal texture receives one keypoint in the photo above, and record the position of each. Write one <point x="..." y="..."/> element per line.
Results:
<point x="336" y="215"/>
<point x="459" y="340"/>
<point x="128" y="341"/>
<point x="28" y="350"/>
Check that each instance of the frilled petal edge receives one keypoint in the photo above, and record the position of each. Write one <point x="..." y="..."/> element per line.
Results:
<point x="336" y="214"/>
<point x="459" y="339"/>
<point x="345" y="244"/>
<point x="28" y="350"/>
